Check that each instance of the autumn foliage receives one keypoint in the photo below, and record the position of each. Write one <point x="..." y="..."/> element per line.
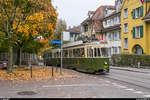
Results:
<point x="23" y="21"/>
<point x="39" y="74"/>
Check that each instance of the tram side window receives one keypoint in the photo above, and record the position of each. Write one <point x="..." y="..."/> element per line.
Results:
<point x="78" y="52"/>
<point x="99" y="52"/>
<point x="49" y="55"/>
<point x="91" y="52"/>
<point x="70" y="53"/>
<point x="65" y="53"/>
<point x="95" y="54"/>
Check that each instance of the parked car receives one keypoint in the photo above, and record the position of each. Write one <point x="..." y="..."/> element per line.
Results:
<point x="4" y="64"/>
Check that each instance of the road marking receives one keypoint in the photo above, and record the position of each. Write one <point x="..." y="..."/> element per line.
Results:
<point x="147" y="96"/>
<point x="107" y="81"/>
<point x="122" y="86"/>
<point x="75" y="85"/>
<point x="129" y="89"/>
<point x="115" y="84"/>
<point x="139" y="92"/>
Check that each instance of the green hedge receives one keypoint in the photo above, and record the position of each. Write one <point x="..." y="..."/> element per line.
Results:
<point x="84" y="64"/>
<point x="130" y="60"/>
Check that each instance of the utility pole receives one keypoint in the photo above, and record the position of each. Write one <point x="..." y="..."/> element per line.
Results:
<point x="61" y="65"/>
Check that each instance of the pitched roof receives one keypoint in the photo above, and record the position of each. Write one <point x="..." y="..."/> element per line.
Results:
<point x="75" y="29"/>
<point x="99" y="13"/>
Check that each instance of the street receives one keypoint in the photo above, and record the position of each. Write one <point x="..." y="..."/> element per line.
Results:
<point x="116" y="84"/>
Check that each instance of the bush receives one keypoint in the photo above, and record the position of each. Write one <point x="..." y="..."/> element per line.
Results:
<point x="130" y="60"/>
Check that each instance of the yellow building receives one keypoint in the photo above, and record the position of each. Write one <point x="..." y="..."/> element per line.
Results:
<point x="135" y="27"/>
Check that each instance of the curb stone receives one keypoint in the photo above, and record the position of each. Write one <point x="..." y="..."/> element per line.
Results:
<point x="133" y="70"/>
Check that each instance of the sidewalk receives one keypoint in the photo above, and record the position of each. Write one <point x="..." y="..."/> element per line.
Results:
<point x="140" y="70"/>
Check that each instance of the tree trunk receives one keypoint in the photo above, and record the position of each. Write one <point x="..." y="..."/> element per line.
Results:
<point x="20" y="56"/>
<point x="10" y="58"/>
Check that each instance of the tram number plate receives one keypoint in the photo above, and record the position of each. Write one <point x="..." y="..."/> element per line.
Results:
<point x="105" y="66"/>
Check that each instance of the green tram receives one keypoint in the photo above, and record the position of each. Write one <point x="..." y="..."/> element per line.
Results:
<point x="85" y="57"/>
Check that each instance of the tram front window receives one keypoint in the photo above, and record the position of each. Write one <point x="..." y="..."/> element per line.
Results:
<point x="104" y="52"/>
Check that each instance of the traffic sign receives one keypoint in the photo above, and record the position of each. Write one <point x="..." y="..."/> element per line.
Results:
<point x="55" y="42"/>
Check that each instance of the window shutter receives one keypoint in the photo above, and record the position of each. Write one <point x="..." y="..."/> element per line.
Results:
<point x="133" y="32"/>
<point x="141" y="31"/>
<point x="141" y="11"/>
<point x="133" y="14"/>
<point x="142" y="51"/>
<point x="136" y="50"/>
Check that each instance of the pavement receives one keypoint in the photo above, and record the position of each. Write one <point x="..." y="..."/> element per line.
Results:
<point x="140" y="70"/>
<point x="87" y="86"/>
<point x="116" y="84"/>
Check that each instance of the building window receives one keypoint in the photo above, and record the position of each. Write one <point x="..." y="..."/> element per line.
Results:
<point x="138" y="32"/>
<point x="125" y="43"/>
<point x="126" y="28"/>
<point x="115" y="50"/>
<point x="110" y="36"/>
<point x="119" y="19"/>
<point x="126" y="13"/>
<point x="138" y="50"/>
<point x="115" y="36"/>
<point x="119" y="48"/>
<point x="119" y="35"/>
<point x="138" y="12"/>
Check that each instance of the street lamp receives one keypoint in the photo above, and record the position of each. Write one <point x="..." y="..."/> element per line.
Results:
<point x="61" y="54"/>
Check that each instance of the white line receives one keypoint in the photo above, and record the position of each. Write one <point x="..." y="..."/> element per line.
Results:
<point x="147" y="96"/>
<point x="129" y="89"/>
<point x="139" y="92"/>
<point x="76" y="85"/>
<point x="115" y="84"/>
<point x="107" y="81"/>
<point x="122" y="86"/>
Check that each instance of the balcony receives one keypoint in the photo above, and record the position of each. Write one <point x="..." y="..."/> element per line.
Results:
<point x="147" y="17"/>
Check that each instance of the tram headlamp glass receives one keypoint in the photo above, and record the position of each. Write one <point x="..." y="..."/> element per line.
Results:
<point x="105" y="63"/>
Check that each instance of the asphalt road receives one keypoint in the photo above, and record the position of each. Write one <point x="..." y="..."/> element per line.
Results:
<point x="116" y="84"/>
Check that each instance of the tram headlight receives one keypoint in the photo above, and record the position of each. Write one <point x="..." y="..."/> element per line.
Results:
<point x="105" y="63"/>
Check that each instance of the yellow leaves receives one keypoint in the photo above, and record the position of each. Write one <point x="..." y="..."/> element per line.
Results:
<point x="35" y="26"/>
<point x="36" y="17"/>
<point x="35" y="33"/>
<point x="39" y="73"/>
<point x="20" y="28"/>
<point x="14" y="26"/>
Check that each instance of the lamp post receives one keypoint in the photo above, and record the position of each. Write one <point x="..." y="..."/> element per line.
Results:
<point x="61" y="54"/>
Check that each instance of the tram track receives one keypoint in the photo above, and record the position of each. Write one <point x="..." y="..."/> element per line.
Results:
<point x="128" y="80"/>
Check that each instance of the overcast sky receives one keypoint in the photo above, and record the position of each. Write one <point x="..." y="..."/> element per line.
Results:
<point x="75" y="11"/>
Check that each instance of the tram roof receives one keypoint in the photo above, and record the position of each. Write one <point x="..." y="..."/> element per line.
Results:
<point x="80" y="43"/>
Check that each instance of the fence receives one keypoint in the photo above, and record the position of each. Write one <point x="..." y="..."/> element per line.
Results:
<point x="26" y="57"/>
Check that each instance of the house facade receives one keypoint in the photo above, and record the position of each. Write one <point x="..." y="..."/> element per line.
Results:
<point x="112" y="28"/>
<point x="135" y="27"/>
<point x="72" y="34"/>
<point x="92" y="26"/>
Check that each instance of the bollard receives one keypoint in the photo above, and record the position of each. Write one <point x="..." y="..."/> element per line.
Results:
<point x="52" y="71"/>
<point x="139" y="65"/>
<point x="31" y="71"/>
<point x="56" y="68"/>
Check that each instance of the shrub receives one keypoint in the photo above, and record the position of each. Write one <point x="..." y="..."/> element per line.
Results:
<point x="130" y="60"/>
